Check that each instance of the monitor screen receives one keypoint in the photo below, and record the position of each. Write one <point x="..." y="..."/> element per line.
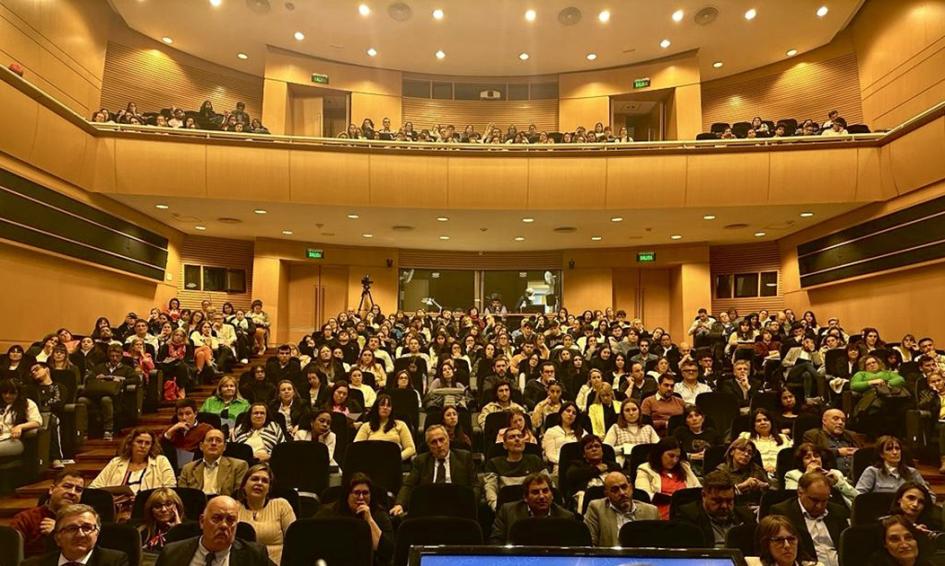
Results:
<point x="532" y="556"/>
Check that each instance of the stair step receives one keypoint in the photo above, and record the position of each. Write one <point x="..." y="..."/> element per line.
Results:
<point x="10" y="507"/>
<point x="34" y="490"/>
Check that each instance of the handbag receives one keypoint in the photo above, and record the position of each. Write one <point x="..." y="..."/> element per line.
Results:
<point x="102" y="387"/>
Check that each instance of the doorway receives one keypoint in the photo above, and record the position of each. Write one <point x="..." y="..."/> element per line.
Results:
<point x="315" y="294"/>
<point x="644" y="114"/>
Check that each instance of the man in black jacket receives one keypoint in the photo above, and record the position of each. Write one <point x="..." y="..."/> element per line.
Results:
<point x="218" y="544"/>
<point x="105" y="382"/>
<point x="716" y="513"/>
<point x="817" y="520"/>
<point x="538" y="502"/>
<point x="439" y="465"/>
<point x="76" y="535"/>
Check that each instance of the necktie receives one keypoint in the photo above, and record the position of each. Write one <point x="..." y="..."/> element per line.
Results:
<point x="440" y="472"/>
<point x="209" y="559"/>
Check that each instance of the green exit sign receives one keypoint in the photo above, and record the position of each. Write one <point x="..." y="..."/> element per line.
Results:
<point x="646" y="257"/>
<point x="312" y="253"/>
<point x="319" y="78"/>
<point x="641" y="83"/>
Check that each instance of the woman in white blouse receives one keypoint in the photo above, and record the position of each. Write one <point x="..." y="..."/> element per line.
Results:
<point x="138" y="465"/>
<point x="557" y="436"/>
<point x="767" y="441"/>
<point x="18" y="414"/>
<point x="628" y="431"/>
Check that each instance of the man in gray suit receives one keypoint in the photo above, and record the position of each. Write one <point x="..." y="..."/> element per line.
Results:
<point x="605" y="517"/>
<point x="215" y="473"/>
<point x="218" y="544"/>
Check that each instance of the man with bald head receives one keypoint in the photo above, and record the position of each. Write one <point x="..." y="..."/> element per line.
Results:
<point x="605" y="516"/>
<point x="218" y="545"/>
<point x="834" y="436"/>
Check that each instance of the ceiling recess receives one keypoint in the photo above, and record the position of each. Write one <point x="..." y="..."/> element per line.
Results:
<point x="569" y="16"/>
<point x="399" y="12"/>
<point x="706" y="15"/>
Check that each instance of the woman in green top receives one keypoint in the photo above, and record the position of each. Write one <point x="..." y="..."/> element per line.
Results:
<point x="226" y="401"/>
<point x="882" y="407"/>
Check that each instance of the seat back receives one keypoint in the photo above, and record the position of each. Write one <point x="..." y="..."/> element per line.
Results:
<point x="721" y="408"/>
<point x="706" y="136"/>
<point x="405" y="406"/>
<point x="857" y="544"/>
<point x="302" y="465"/>
<point x="494" y="423"/>
<point x="341" y="540"/>
<point x="863" y="458"/>
<point x="122" y="537"/>
<point x="803" y="423"/>
<point x="11" y="546"/>
<point x="638" y="455"/>
<point x="378" y="459"/>
<point x="509" y="493"/>
<point x="343" y="435"/>
<point x="742" y="537"/>
<point x="102" y="501"/>
<point x="681" y="497"/>
<point x="773" y="497"/>
<point x="785" y="463"/>
<point x="446" y="500"/>
<point x="417" y="531"/>
<point x="183" y="531"/>
<point x="869" y="507"/>
<point x="661" y="534"/>
<point x="858" y="129"/>
<point x="549" y="532"/>
<point x="718" y="127"/>
<point x="194" y="501"/>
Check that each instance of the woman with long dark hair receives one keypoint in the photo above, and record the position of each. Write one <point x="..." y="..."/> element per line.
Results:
<point x="18" y="414"/>
<point x="666" y="471"/>
<point x="382" y="426"/>
<point x="357" y="501"/>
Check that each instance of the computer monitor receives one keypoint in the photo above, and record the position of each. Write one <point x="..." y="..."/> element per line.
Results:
<point x="573" y="556"/>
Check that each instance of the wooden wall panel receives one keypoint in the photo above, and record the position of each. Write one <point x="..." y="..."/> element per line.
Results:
<point x="588" y="289"/>
<point x="655" y="298"/>
<point x="239" y="172"/>
<point x="746" y="258"/>
<point x="630" y="181"/>
<point x="432" y="259"/>
<point x="425" y="112"/>
<point x="478" y="182"/>
<point x="553" y="182"/>
<point x="428" y="180"/>
<point x="331" y="178"/>
<point x="156" y="76"/>
<point x="807" y="90"/>
<point x="216" y="252"/>
<point x="829" y="175"/>
<point x="709" y="176"/>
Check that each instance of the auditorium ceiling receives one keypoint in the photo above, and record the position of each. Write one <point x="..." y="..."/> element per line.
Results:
<point x="486" y="230"/>
<point x="489" y="37"/>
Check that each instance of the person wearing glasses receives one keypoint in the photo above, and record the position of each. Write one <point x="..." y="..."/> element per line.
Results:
<point x="162" y="511"/>
<point x="776" y="543"/>
<point x="356" y="502"/>
<point x="76" y="535"/>
<point x="217" y="545"/>
<point x="138" y="465"/>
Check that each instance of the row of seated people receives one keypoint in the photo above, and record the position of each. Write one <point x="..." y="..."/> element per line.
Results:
<point x="236" y="120"/>
<point x="835" y="125"/>
<point x="448" y="133"/>
<point x="443" y="481"/>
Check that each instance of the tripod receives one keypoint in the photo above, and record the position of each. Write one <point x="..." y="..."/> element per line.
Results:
<point x="367" y="300"/>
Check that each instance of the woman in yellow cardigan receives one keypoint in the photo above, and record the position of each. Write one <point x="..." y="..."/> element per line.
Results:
<point x="603" y="412"/>
<point x="380" y="426"/>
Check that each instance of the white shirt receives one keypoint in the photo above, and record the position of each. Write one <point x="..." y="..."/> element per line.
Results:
<point x="84" y="560"/>
<point x="689" y="394"/>
<point x="623" y="518"/>
<point x="824" y="546"/>
<point x="446" y="465"/>
<point x="210" y="471"/>
<point x="221" y="558"/>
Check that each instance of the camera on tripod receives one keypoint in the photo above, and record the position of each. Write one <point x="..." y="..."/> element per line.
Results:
<point x="366" y="282"/>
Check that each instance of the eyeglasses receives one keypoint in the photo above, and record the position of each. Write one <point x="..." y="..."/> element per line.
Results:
<point x="72" y="530"/>
<point x="165" y="505"/>
<point x="361" y="493"/>
<point x="790" y="540"/>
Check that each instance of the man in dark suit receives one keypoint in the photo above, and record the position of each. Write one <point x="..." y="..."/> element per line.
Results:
<point x="817" y="520"/>
<point x="218" y="542"/>
<point x="439" y="465"/>
<point x="834" y="436"/>
<point x="740" y="386"/>
<point x="538" y="502"/>
<point x="105" y="383"/>
<point x="76" y="535"/>
<point x="716" y="513"/>
<point x="214" y="473"/>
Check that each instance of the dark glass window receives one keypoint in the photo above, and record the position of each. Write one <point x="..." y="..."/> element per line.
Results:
<point x="769" y="284"/>
<point x="723" y="286"/>
<point x="746" y="285"/>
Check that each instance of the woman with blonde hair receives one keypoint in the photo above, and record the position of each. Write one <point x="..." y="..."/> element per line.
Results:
<point x="162" y="511"/>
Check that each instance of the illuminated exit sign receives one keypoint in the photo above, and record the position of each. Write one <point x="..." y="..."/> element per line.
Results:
<point x="321" y="79"/>
<point x="312" y="253"/>
<point x="646" y="257"/>
<point x="641" y="83"/>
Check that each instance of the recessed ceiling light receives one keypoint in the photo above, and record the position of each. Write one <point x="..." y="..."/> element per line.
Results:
<point x="367" y="235"/>
<point x="442" y="218"/>
<point x="597" y="238"/>
<point x="591" y="56"/>
<point x="528" y="220"/>
<point x="678" y="15"/>
<point x="822" y="11"/>
<point x="604" y="16"/>
<point x="261" y="211"/>
<point x="438" y="14"/>
<point x="523" y="56"/>
<point x="440" y="54"/>
<point x="167" y="40"/>
<point x="760" y="234"/>
<point x="519" y="238"/>
<point x="616" y="219"/>
<point x="530" y="15"/>
<point x="717" y="64"/>
<point x="709" y="217"/>
<point x="364" y="10"/>
<point x="161" y="206"/>
<point x="750" y="14"/>
<point x="353" y="216"/>
<point x="200" y="227"/>
<point x="216" y="3"/>
<point x="371" y="51"/>
<point x="806" y="214"/>
<point x="299" y="35"/>
<point x="242" y="56"/>
<point x="444" y="237"/>
<point x="287" y="232"/>
<point x="676" y="237"/>
<point x="665" y="43"/>
<point x="791" y="52"/>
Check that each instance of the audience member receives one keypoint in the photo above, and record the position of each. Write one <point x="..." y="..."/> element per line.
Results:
<point x="537" y="502"/>
<point x="810" y="458"/>
<point x="217" y="544"/>
<point x="139" y="465"/>
<point x="37" y="524"/>
<point x="213" y="473"/>
<point x="606" y="516"/>
<point x="663" y="405"/>
<point x="357" y="501"/>
<point x="817" y="520"/>
<point x="716" y="512"/>
<point x="441" y="465"/>
<point x="269" y="516"/>
<point x="381" y="425"/>
<point x="776" y="541"/>
<point x="629" y="430"/>
<point x="76" y="534"/>
<point x="511" y="469"/>
<point x="259" y="432"/>
<point x="889" y="470"/>
<point x="665" y="472"/>
<point x="162" y="511"/>
<point x="834" y="437"/>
